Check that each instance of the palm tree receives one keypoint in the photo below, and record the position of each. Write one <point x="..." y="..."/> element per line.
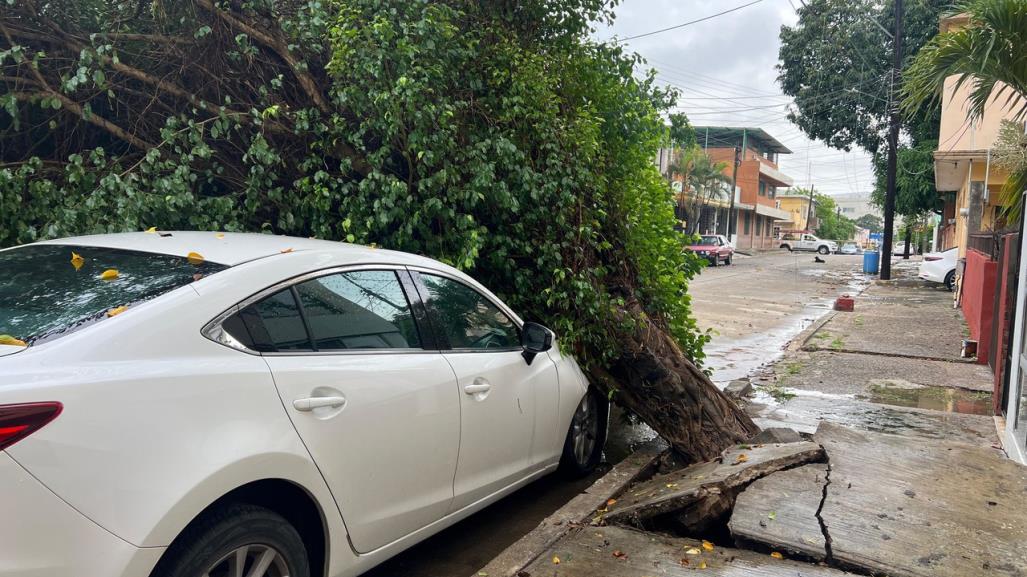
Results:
<point x="990" y="55"/>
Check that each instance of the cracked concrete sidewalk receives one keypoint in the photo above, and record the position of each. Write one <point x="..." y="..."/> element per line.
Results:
<point x="912" y="482"/>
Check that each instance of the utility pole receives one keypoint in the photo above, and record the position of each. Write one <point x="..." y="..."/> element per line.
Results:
<point x="732" y="220"/>
<point x="893" y="145"/>
<point x="810" y="211"/>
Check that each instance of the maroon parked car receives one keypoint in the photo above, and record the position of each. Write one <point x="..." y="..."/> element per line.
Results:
<point x="714" y="248"/>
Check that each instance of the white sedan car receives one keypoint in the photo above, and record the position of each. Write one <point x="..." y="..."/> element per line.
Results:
<point x="193" y="404"/>
<point x="940" y="267"/>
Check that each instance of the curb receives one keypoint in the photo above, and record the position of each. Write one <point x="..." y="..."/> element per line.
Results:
<point x="576" y="512"/>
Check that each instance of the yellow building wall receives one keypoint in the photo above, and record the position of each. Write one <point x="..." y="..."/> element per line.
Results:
<point x="996" y="178"/>
<point x="799" y="209"/>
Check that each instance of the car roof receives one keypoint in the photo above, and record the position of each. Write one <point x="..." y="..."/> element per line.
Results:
<point x="232" y="248"/>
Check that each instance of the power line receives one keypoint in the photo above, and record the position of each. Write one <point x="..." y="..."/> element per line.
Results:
<point x="689" y="23"/>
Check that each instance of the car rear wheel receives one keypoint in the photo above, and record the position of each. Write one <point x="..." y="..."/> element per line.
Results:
<point x="583" y="448"/>
<point x="950" y="280"/>
<point x="786" y="247"/>
<point x="824" y="250"/>
<point x="237" y="539"/>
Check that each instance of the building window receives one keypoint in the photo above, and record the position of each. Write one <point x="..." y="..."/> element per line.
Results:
<point x="745" y="225"/>
<point x="763" y="188"/>
<point x="759" y="225"/>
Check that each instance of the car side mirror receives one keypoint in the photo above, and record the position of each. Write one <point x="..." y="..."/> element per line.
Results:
<point x="535" y="339"/>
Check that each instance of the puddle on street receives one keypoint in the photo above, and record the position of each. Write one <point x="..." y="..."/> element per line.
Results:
<point x="934" y="398"/>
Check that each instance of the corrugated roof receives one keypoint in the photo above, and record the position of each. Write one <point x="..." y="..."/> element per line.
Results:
<point x="729" y="136"/>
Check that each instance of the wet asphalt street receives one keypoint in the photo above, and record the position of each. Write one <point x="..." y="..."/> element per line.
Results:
<point x="755" y="306"/>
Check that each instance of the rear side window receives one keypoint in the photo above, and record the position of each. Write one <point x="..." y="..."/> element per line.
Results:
<point x="346" y="311"/>
<point x="47" y="291"/>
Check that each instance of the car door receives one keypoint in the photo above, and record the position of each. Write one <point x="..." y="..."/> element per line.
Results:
<point x="508" y="407"/>
<point x="809" y="242"/>
<point x="372" y="398"/>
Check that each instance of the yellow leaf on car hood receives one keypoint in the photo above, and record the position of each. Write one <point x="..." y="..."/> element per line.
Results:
<point x="77" y="261"/>
<point x="194" y="258"/>
<point x="109" y="274"/>
<point x="11" y="341"/>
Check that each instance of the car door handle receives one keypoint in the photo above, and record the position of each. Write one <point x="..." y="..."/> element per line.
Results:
<point x="312" y="403"/>
<point x="477" y="387"/>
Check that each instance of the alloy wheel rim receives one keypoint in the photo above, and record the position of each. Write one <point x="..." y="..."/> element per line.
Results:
<point x="252" y="560"/>
<point x="585" y="430"/>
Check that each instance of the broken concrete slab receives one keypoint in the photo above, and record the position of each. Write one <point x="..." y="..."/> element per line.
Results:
<point x="623" y="552"/>
<point x="910" y="507"/>
<point x="775" y="435"/>
<point x="738" y="389"/>
<point x="577" y="511"/>
<point x="703" y="491"/>
<point x="780" y="511"/>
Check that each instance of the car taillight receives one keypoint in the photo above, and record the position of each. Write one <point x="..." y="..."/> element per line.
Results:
<point x="20" y="421"/>
<point x="932" y="258"/>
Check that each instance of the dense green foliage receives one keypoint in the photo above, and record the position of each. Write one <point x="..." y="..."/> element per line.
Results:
<point x="493" y="136"/>
<point x="703" y="181"/>
<point x="830" y="223"/>
<point x="836" y="63"/>
<point x="871" y="222"/>
<point x="914" y="180"/>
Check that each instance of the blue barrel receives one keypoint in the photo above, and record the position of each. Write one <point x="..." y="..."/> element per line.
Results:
<point x="871" y="261"/>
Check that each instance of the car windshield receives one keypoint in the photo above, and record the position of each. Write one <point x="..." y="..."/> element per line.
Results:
<point x="709" y="240"/>
<point x="47" y="291"/>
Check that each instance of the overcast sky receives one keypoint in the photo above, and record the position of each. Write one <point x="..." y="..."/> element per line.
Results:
<point x="734" y="56"/>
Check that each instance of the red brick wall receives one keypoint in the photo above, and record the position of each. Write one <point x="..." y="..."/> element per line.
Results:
<point x="1005" y="317"/>
<point x="978" y="299"/>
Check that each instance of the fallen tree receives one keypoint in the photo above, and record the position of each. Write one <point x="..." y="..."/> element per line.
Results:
<point x="492" y="136"/>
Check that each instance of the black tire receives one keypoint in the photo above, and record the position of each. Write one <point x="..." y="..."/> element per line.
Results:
<point x="715" y="261"/>
<point x="950" y="280"/>
<point x="727" y="261"/>
<point x="824" y="250"/>
<point x="207" y="542"/>
<point x="571" y="464"/>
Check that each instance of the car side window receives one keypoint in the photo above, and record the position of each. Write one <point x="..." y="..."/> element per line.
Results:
<point x="271" y="324"/>
<point x="468" y="319"/>
<point x="358" y="310"/>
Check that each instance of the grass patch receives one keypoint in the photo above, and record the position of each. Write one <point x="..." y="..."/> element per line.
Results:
<point x="777" y="391"/>
<point x="793" y="368"/>
<point x="858" y="321"/>
<point x="820" y="335"/>
<point x="837" y="344"/>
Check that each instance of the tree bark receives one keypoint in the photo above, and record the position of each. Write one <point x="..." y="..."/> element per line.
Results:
<point x="653" y="379"/>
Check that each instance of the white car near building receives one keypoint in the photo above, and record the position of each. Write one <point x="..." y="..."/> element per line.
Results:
<point x="194" y="404"/>
<point x="808" y="242"/>
<point x="940" y="267"/>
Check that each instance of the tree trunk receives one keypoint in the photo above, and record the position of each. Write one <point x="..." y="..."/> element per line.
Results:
<point x="909" y="238"/>
<point x="654" y="380"/>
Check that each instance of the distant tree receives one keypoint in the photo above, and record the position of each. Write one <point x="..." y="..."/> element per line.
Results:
<point x="871" y="222"/>
<point x="682" y="134"/>
<point x="705" y="182"/>
<point x="915" y="195"/>
<point x="831" y="224"/>
<point x="836" y="62"/>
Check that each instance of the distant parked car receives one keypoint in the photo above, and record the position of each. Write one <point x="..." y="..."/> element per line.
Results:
<point x="808" y="242"/>
<point x="940" y="267"/>
<point x="714" y="248"/>
<point x="899" y="249"/>
<point x="849" y="248"/>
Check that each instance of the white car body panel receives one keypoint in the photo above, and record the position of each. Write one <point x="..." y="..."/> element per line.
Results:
<point x="937" y="270"/>
<point x="159" y="421"/>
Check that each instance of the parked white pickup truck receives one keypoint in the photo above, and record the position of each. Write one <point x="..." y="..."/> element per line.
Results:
<point x="808" y="242"/>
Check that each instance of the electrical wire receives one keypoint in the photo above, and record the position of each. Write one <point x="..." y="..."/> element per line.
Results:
<point x="689" y="23"/>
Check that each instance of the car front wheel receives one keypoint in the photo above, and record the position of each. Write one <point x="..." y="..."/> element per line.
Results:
<point x="824" y="250"/>
<point x="237" y="539"/>
<point x="950" y="280"/>
<point x="583" y="448"/>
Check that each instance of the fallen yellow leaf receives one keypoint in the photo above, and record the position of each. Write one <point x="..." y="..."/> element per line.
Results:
<point x="693" y="551"/>
<point x="707" y="545"/>
<point x="285" y="250"/>
<point x="116" y="311"/>
<point x="671" y="485"/>
<point x="77" y="261"/>
<point x="220" y="235"/>
<point x="556" y="560"/>
<point x="152" y="230"/>
<point x="742" y="458"/>
<point x="611" y="502"/>
<point x="702" y="564"/>
<point x="109" y="274"/>
<point x="11" y="341"/>
<point x="194" y="258"/>
<point x="777" y="555"/>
